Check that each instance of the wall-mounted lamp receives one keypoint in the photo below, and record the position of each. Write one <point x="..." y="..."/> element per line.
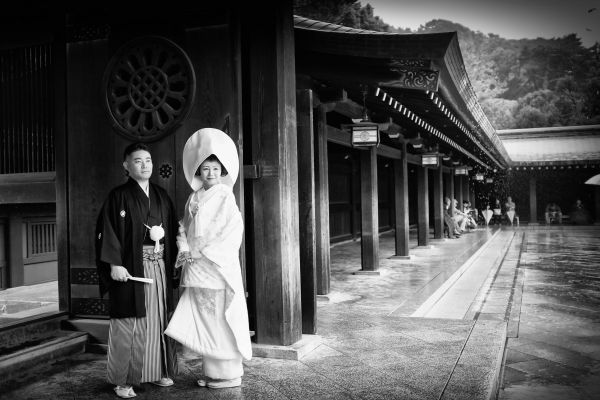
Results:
<point x="479" y="176"/>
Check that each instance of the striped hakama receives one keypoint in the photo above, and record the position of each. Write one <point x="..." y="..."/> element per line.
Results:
<point x="137" y="351"/>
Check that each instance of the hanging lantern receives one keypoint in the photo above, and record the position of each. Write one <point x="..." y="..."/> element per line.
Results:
<point x="429" y="160"/>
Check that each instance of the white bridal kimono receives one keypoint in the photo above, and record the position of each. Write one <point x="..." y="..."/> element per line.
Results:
<point x="211" y="317"/>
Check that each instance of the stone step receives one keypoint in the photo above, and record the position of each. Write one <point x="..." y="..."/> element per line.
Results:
<point x="453" y="299"/>
<point x="20" y="362"/>
<point x="25" y="333"/>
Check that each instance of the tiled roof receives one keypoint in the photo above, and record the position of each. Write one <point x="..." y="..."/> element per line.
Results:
<point x="551" y="145"/>
<point x="435" y="56"/>
<point x="306" y="23"/>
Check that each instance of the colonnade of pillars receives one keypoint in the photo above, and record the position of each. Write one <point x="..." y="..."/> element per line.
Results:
<point x="290" y="198"/>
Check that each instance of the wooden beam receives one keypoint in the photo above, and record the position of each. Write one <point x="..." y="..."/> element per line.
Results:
<point x="27" y="193"/>
<point x="349" y="109"/>
<point x="272" y="121"/>
<point x="329" y="95"/>
<point x="414" y="159"/>
<point x="306" y="204"/>
<point x="335" y="135"/>
<point x="33" y="177"/>
<point x="389" y="152"/>
<point x="344" y="138"/>
<point x="401" y="204"/>
<point x="369" y="209"/>
<point x="322" y="201"/>
<point x="438" y="203"/>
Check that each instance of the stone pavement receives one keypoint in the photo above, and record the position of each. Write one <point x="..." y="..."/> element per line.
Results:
<point x="553" y="349"/>
<point x="371" y="347"/>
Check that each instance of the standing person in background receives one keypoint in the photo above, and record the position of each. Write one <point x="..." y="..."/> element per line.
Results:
<point x="136" y="238"/>
<point x="211" y="318"/>
<point x="511" y="210"/>
<point x="497" y="209"/>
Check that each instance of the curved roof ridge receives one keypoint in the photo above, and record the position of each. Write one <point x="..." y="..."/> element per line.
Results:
<point x="550" y="129"/>
<point x="312" y="24"/>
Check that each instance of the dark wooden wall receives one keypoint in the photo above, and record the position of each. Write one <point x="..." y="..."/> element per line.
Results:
<point x="95" y="148"/>
<point x="344" y="192"/>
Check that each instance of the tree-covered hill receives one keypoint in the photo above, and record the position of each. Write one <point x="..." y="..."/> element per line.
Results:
<point x="522" y="83"/>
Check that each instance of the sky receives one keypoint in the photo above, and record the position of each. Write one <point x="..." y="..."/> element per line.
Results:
<point x="511" y="19"/>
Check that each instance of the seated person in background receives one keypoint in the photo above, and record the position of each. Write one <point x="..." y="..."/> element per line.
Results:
<point x="470" y="213"/>
<point x="578" y="214"/>
<point x="497" y="216"/>
<point x="511" y="210"/>
<point x="459" y="217"/>
<point x="453" y="230"/>
<point x="553" y="213"/>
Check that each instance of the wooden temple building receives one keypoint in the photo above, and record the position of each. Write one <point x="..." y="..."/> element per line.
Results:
<point x="342" y="134"/>
<point x="551" y="165"/>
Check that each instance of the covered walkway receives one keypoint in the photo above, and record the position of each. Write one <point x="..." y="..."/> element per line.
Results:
<point x="507" y="312"/>
<point x="435" y="326"/>
<point x="371" y="346"/>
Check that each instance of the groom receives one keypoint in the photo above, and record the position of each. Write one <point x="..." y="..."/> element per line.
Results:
<point x="138" y="351"/>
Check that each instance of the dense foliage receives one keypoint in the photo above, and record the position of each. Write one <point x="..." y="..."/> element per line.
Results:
<point x="522" y="83"/>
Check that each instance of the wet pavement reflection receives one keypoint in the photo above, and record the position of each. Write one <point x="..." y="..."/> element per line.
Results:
<point x="556" y="354"/>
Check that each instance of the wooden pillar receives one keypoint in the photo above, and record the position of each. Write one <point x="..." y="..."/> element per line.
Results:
<point x="532" y="201"/>
<point x="3" y="252"/>
<point x="458" y="191"/>
<point x="450" y="189"/>
<point x="306" y="204"/>
<point x="323" y="257"/>
<point x="272" y="103"/>
<point x="597" y="205"/>
<point x="422" y="206"/>
<point x="369" y="210"/>
<point x="401" y="204"/>
<point x="465" y="190"/>
<point x="438" y="203"/>
<point x="16" y="273"/>
<point x="63" y="240"/>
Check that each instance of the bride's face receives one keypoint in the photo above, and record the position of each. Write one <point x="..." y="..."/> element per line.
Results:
<point x="210" y="174"/>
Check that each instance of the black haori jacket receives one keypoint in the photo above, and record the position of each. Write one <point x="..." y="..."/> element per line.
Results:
<point x="120" y="234"/>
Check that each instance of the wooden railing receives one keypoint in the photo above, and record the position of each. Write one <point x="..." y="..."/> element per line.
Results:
<point x="26" y="110"/>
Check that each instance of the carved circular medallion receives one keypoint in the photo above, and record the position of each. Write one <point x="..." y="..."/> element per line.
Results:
<point x="149" y="88"/>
